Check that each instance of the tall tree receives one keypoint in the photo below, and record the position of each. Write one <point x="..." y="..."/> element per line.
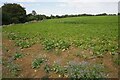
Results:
<point x="13" y="13"/>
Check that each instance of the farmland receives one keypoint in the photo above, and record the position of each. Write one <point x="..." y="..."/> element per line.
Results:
<point x="62" y="48"/>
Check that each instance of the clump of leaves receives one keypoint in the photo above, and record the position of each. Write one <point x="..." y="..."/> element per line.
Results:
<point x="47" y="68"/>
<point x="55" y="44"/>
<point x="98" y="51"/>
<point x="37" y="62"/>
<point x="61" y="44"/>
<point x="12" y="36"/>
<point x="17" y="55"/>
<point x="48" y="44"/>
<point x="77" y="43"/>
<point x="23" y="43"/>
<point x="57" y="68"/>
<point x="113" y="48"/>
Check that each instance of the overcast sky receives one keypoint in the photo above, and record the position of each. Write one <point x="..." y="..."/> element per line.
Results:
<point x="60" y="7"/>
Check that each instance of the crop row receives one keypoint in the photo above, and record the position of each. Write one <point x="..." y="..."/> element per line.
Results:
<point x="98" y="45"/>
<point x="73" y="69"/>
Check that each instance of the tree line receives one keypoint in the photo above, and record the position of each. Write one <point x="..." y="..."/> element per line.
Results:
<point x="15" y="13"/>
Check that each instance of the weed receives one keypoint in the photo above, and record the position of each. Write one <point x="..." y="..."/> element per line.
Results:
<point x="37" y="62"/>
<point x="47" y="68"/>
<point x="17" y="55"/>
<point x="59" y="69"/>
<point x="23" y="43"/>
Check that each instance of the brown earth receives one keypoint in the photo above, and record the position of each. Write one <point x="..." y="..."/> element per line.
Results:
<point x="63" y="57"/>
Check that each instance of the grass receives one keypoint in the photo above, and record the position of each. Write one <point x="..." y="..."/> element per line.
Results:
<point x="99" y="33"/>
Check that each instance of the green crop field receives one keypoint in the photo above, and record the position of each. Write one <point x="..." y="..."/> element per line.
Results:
<point x="97" y="35"/>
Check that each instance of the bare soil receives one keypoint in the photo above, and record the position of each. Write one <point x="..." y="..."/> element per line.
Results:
<point x="63" y="57"/>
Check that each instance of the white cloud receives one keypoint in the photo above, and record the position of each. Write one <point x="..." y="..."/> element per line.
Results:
<point x="69" y="6"/>
<point x="90" y="7"/>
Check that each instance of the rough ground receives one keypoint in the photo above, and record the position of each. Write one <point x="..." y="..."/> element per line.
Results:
<point x="62" y="57"/>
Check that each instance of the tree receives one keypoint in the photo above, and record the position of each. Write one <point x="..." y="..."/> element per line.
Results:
<point x="52" y="17"/>
<point x="13" y="13"/>
<point x="34" y="13"/>
<point x="30" y="17"/>
<point x="118" y="13"/>
<point x="103" y="14"/>
<point x="57" y="16"/>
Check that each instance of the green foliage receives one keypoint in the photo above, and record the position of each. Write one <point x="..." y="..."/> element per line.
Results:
<point x="57" y="68"/>
<point x="61" y="44"/>
<point x="95" y="33"/>
<point x="52" y="44"/>
<point x="23" y="40"/>
<point x="12" y="36"/>
<point x="23" y="43"/>
<point x="37" y="62"/>
<point x="82" y="70"/>
<point x="48" y="44"/>
<point x="98" y="34"/>
<point x="17" y="55"/>
<point x="13" y="13"/>
<point x="47" y="68"/>
<point x="31" y="17"/>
